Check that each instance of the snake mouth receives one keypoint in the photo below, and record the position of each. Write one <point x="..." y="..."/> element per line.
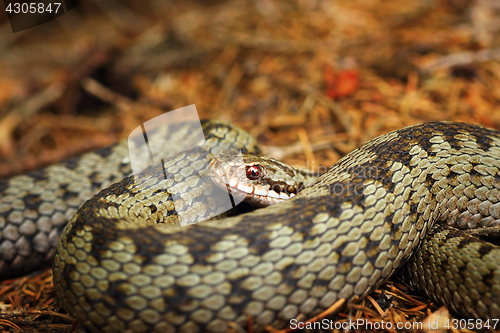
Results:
<point x="232" y="176"/>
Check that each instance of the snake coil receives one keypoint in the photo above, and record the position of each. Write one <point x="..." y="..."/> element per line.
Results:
<point x="124" y="265"/>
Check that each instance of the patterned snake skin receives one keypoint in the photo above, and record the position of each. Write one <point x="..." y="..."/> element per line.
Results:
<point x="124" y="265"/>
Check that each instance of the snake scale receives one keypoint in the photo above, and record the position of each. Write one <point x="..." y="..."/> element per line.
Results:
<point x="124" y="265"/>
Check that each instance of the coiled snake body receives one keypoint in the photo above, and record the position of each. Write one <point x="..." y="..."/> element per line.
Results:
<point x="123" y="265"/>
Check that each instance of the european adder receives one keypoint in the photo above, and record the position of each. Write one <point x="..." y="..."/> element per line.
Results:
<point x="124" y="265"/>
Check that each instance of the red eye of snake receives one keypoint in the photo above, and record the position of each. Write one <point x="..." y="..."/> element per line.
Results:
<point x="253" y="172"/>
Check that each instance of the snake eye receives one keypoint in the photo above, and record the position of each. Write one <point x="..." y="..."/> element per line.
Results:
<point x="253" y="172"/>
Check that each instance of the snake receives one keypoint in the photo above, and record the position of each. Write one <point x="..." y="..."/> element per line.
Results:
<point x="125" y="262"/>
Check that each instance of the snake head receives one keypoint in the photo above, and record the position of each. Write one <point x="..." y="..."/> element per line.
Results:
<point x="258" y="180"/>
